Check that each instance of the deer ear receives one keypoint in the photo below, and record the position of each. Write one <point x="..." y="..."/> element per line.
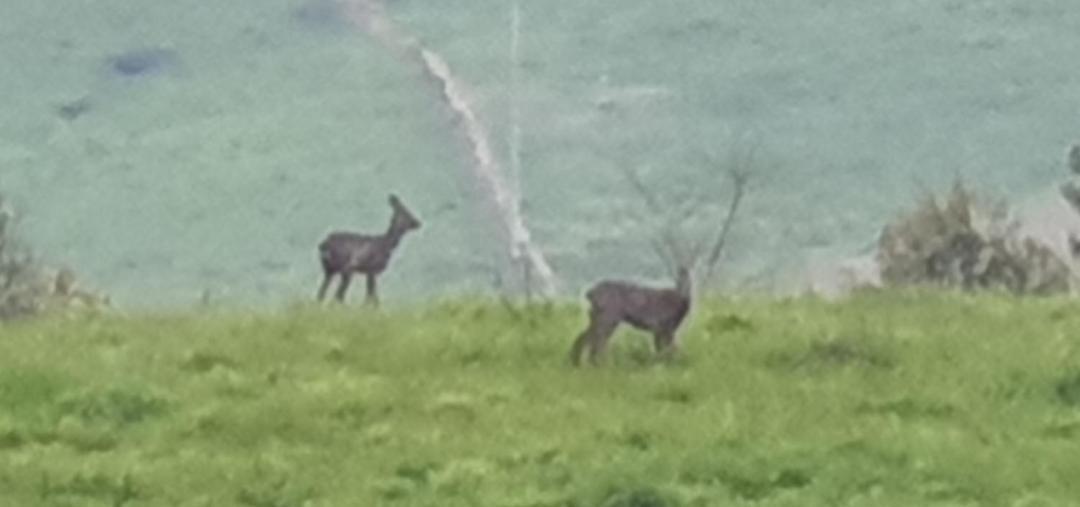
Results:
<point x="394" y="201"/>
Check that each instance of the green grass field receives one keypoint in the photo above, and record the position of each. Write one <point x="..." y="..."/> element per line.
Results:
<point x="891" y="399"/>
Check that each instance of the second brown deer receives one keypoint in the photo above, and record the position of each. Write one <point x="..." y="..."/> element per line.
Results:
<point x="346" y="253"/>
<point x="659" y="311"/>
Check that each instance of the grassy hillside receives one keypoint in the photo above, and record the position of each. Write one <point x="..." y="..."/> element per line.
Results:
<point x="890" y="399"/>
<point x="279" y="123"/>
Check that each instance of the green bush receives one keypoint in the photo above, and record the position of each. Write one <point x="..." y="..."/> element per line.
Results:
<point x="22" y="287"/>
<point x="28" y="288"/>
<point x="963" y="242"/>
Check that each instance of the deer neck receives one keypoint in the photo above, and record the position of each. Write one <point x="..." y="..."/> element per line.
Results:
<point x="393" y="235"/>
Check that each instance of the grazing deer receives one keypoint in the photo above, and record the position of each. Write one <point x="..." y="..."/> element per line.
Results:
<point x="658" y="311"/>
<point x="345" y="253"/>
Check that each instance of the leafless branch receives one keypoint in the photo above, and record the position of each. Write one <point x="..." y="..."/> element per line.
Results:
<point x="670" y="239"/>
<point x="741" y="162"/>
<point x="671" y="246"/>
<point x="647" y="195"/>
<point x="740" y="177"/>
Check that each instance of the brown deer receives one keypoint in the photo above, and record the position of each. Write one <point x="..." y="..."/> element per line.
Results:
<point x="659" y="311"/>
<point x="655" y="310"/>
<point x="346" y="253"/>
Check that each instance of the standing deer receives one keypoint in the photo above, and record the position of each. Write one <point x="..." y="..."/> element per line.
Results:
<point x="658" y="311"/>
<point x="345" y="253"/>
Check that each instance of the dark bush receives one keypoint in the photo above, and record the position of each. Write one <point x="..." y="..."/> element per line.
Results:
<point x="1068" y="389"/>
<point x="26" y="287"/>
<point x="966" y="243"/>
<point x="22" y="285"/>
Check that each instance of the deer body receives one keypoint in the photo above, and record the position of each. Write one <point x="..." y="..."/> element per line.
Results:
<point x="659" y="311"/>
<point x="655" y="310"/>
<point x="346" y="253"/>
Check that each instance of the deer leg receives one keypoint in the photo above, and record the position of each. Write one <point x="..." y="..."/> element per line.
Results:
<point x="372" y="296"/>
<point x="588" y="336"/>
<point x="579" y="345"/>
<point x="346" y="278"/>
<point x="664" y="341"/>
<point x="600" y="328"/>
<point x="327" y="276"/>
<point x="599" y="341"/>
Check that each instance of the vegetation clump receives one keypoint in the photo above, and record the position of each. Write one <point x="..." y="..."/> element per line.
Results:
<point x="964" y="242"/>
<point x="641" y="497"/>
<point x="27" y="288"/>
<point x="21" y="290"/>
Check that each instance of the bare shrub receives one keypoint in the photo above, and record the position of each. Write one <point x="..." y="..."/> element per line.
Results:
<point x="21" y="290"/>
<point x="1069" y="189"/>
<point x="965" y="242"/>
<point x="26" y="287"/>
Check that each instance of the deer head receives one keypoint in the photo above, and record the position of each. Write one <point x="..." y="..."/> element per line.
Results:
<point x="403" y="219"/>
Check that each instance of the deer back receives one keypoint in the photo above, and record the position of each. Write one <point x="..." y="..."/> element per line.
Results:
<point x="348" y="251"/>
<point x="643" y="307"/>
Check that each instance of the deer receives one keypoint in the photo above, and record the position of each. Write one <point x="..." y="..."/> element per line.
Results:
<point x="345" y="253"/>
<point x="659" y="311"/>
<point x="656" y="310"/>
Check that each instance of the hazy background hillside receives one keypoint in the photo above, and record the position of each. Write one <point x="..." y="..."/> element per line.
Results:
<point x="277" y="122"/>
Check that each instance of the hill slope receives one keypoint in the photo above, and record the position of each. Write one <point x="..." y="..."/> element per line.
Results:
<point x="889" y="399"/>
<point x="279" y="122"/>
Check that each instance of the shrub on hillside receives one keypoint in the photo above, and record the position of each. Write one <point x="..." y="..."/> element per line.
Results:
<point x="26" y="287"/>
<point x="962" y="241"/>
<point x="20" y="277"/>
<point x="1070" y="189"/>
